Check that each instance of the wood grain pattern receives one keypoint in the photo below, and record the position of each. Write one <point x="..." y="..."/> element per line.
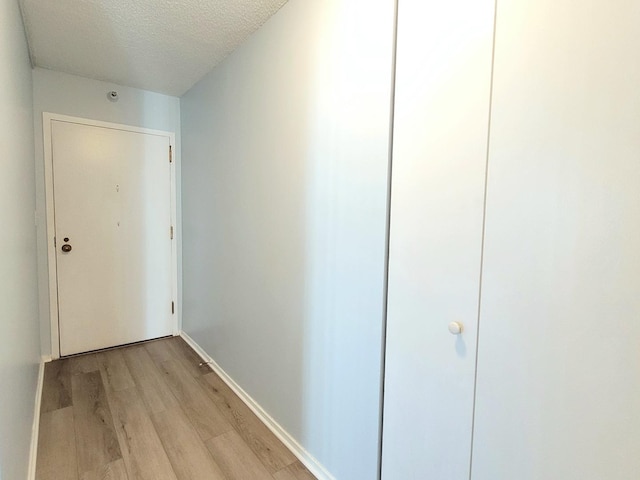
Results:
<point x="295" y="471"/>
<point x="116" y="374"/>
<point x="97" y="444"/>
<point x="143" y="453"/>
<point x="202" y="412"/>
<point x="57" y="446"/>
<point x="188" y="455"/>
<point x="188" y="357"/>
<point x="271" y="452"/>
<point x="144" y="412"/>
<point x="111" y="471"/>
<point x="236" y="459"/>
<point x="56" y="390"/>
<point x="159" y="350"/>
<point x="82" y="364"/>
<point x="154" y="391"/>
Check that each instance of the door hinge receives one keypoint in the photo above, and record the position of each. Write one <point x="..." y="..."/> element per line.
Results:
<point x="55" y="242"/>
<point x="171" y="232"/>
<point x="173" y="308"/>
<point x="170" y="154"/>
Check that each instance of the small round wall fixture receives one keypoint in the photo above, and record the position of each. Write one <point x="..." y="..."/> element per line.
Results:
<point x="112" y="96"/>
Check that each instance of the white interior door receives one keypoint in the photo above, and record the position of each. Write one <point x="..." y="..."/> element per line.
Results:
<point x="438" y="180"/>
<point x="112" y="195"/>
<point x="558" y="391"/>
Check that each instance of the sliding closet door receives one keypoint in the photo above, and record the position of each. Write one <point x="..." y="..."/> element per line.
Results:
<point x="559" y="353"/>
<point x="439" y="158"/>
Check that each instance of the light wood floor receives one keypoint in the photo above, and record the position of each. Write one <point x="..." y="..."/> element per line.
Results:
<point x="149" y="411"/>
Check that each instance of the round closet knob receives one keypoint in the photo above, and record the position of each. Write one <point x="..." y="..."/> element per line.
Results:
<point x="455" y="328"/>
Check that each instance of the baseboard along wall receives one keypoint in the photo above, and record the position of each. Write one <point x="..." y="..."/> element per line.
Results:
<point x="308" y="460"/>
<point x="35" y="428"/>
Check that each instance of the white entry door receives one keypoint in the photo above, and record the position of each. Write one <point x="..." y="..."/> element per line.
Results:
<point x="112" y="199"/>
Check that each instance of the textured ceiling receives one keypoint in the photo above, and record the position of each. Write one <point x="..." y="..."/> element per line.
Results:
<point x="160" y="45"/>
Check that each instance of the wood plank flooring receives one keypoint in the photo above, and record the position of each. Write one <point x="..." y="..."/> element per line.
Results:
<point x="151" y="412"/>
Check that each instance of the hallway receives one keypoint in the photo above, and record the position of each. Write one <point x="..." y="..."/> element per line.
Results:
<point x="150" y="411"/>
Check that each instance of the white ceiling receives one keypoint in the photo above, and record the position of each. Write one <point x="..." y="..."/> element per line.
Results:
<point x="160" y="45"/>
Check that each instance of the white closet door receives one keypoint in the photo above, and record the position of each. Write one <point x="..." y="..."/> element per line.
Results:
<point x="558" y="392"/>
<point x="439" y="158"/>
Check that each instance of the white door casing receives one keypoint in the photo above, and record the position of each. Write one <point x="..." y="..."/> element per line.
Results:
<point x="444" y="59"/>
<point x="110" y="191"/>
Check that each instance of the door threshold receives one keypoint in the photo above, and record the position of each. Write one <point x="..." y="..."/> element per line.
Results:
<point x="90" y="352"/>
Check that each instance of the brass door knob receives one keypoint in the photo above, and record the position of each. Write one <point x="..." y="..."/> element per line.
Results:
<point x="66" y="247"/>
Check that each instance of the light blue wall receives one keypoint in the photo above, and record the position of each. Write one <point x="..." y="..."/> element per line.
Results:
<point x="285" y="171"/>
<point x="20" y="339"/>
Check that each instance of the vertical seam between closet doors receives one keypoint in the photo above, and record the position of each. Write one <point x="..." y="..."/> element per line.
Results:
<point x="394" y="51"/>
<point x="484" y="223"/>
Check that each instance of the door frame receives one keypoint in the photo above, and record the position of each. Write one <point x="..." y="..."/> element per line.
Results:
<point x="47" y="119"/>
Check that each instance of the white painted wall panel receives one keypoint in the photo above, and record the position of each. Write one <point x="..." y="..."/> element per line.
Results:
<point x="439" y="159"/>
<point x="20" y="338"/>
<point x="66" y="94"/>
<point x="284" y="203"/>
<point x="559" y="364"/>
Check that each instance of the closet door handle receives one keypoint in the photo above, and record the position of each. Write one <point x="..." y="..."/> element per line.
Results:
<point x="455" y="328"/>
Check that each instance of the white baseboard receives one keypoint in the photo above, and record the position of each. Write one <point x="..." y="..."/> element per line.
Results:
<point x="35" y="428"/>
<point x="313" y="465"/>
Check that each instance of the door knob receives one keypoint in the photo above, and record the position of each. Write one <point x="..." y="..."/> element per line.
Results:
<point x="455" y="328"/>
<point x="66" y="247"/>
